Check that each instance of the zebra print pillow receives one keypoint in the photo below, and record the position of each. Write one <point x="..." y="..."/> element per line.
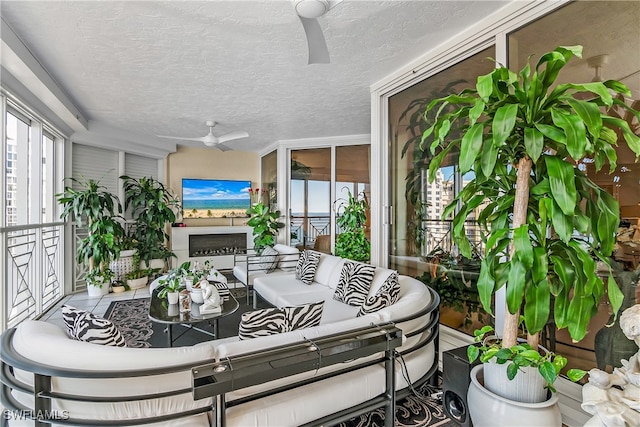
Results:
<point x="260" y="323"/>
<point x="355" y="281"/>
<point x="387" y="295"/>
<point x="271" y="321"/>
<point x="303" y="316"/>
<point x="307" y="265"/>
<point x="85" y="326"/>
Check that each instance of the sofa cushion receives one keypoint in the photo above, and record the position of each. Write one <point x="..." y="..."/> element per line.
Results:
<point x="333" y="311"/>
<point x="379" y="278"/>
<point x="240" y="273"/>
<point x="326" y="267"/>
<point x="354" y="284"/>
<point x="260" y="323"/>
<point x="303" y="316"/>
<point x="85" y="326"/>
<point x="307" y="265"/>
<point x="271" y="321"/>
<point x="268" y="259"/>
<point x="288" y="258"/>
<point x="387" y="295"/>
<point x="55" y="348"/>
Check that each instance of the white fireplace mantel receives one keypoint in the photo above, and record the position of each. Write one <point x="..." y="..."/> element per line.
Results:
<point x="180" y="243"/>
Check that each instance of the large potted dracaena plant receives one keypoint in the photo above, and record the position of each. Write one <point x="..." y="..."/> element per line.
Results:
<point x="153" y="207"/>
<point x="548" y="226"/>
<point x="97" y="209"/>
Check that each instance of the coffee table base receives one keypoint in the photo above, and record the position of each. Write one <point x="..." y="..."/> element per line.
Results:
<point x="213" y="322"/>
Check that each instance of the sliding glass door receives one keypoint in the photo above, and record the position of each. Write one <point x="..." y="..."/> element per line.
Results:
<point x="320" y="179"/>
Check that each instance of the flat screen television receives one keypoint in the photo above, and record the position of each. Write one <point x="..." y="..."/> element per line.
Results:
<point x="215" y="198"/>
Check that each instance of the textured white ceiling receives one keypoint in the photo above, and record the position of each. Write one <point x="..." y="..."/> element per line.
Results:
<point x="165" y="67"/>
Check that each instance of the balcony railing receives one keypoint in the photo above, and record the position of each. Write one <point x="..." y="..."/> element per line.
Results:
<point x="439" y="234"/>
<point x="305" y="230"/>
<point x="34" y="257"/>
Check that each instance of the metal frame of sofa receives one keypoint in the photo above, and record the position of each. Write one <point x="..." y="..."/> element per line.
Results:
<point x="333" y="345"/>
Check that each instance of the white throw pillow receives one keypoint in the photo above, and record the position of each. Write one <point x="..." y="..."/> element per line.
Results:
<point x="268" y="260"/>
<point x="288" y="257"/>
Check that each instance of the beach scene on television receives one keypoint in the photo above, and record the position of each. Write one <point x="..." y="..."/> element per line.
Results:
<point x="215" y="198"/>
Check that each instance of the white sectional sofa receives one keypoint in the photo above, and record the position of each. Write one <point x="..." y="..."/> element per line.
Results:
<point x="125" y="386"/>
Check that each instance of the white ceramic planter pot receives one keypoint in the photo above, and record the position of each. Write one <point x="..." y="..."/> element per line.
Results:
<point x="98" y="289"/>
<point x="196" y="295"/>
<point x="137" y="283"/>
<point x="172" y="297"/>
<point x="527" y="386"/>
<point x="491" y="410"/>
<point x="118" y="289"/>
<point x="123" y="265"/>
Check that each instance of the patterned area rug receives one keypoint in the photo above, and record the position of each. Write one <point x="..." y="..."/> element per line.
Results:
<point x="132" y="319"/>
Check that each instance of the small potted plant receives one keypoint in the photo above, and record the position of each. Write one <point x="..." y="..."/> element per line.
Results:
<point x="98" y="281"/>
<point x="172" y="283"/>
<point x="118" y="286"/>
<point x="137" y="278"/>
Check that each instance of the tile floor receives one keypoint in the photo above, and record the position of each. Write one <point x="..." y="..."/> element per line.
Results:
<point x="97" y="305"/>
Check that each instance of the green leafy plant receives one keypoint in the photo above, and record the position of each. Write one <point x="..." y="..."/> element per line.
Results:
<point x="152" y="206"/>
<point x="92" y="206"/>
<point x="140" y="273"/>
<point x="265" y="226"/>
<point x="520" y="356"/>
<point x="545" y="221"/>
<point x="352" y="242"/>
<point x="172" y="282"/>
<point x="455" y="280"/>
<point x="97" y="277"/>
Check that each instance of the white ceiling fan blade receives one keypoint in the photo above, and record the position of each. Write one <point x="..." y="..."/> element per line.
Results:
<point x="180" y="138"/>
<point x="232" y="135"/>
<point x="318" y="51"/>
<point x="223" y="147"/>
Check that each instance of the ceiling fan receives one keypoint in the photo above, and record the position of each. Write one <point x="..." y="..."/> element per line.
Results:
<point x="210" y="140"/>
<point x="308" y="11"/>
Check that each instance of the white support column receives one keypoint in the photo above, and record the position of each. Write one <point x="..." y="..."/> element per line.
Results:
<point x="4" y="280"/>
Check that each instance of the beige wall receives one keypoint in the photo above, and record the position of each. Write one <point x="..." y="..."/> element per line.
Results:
<point x="195" y="162"/>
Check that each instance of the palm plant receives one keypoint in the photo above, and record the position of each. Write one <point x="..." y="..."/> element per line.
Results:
<point x="546" y="222"/>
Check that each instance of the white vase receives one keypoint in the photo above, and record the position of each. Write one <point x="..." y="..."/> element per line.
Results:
<point x="172" y="297"/>
<point x="491" y="410"/>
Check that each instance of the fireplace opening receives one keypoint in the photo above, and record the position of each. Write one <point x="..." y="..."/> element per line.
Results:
<point x="216" y="244"/>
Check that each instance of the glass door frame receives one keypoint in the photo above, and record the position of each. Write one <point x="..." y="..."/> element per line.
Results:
<point x="492" y="30"/>
<point x="284" y="174"/>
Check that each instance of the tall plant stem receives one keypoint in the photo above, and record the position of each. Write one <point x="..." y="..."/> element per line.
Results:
<point x="511" y="321"/>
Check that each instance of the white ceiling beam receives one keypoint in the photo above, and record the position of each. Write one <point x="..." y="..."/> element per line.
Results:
<point x="18" y="60"/>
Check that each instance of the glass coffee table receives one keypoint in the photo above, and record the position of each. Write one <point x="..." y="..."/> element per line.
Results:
<point x="160" y="311"/>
